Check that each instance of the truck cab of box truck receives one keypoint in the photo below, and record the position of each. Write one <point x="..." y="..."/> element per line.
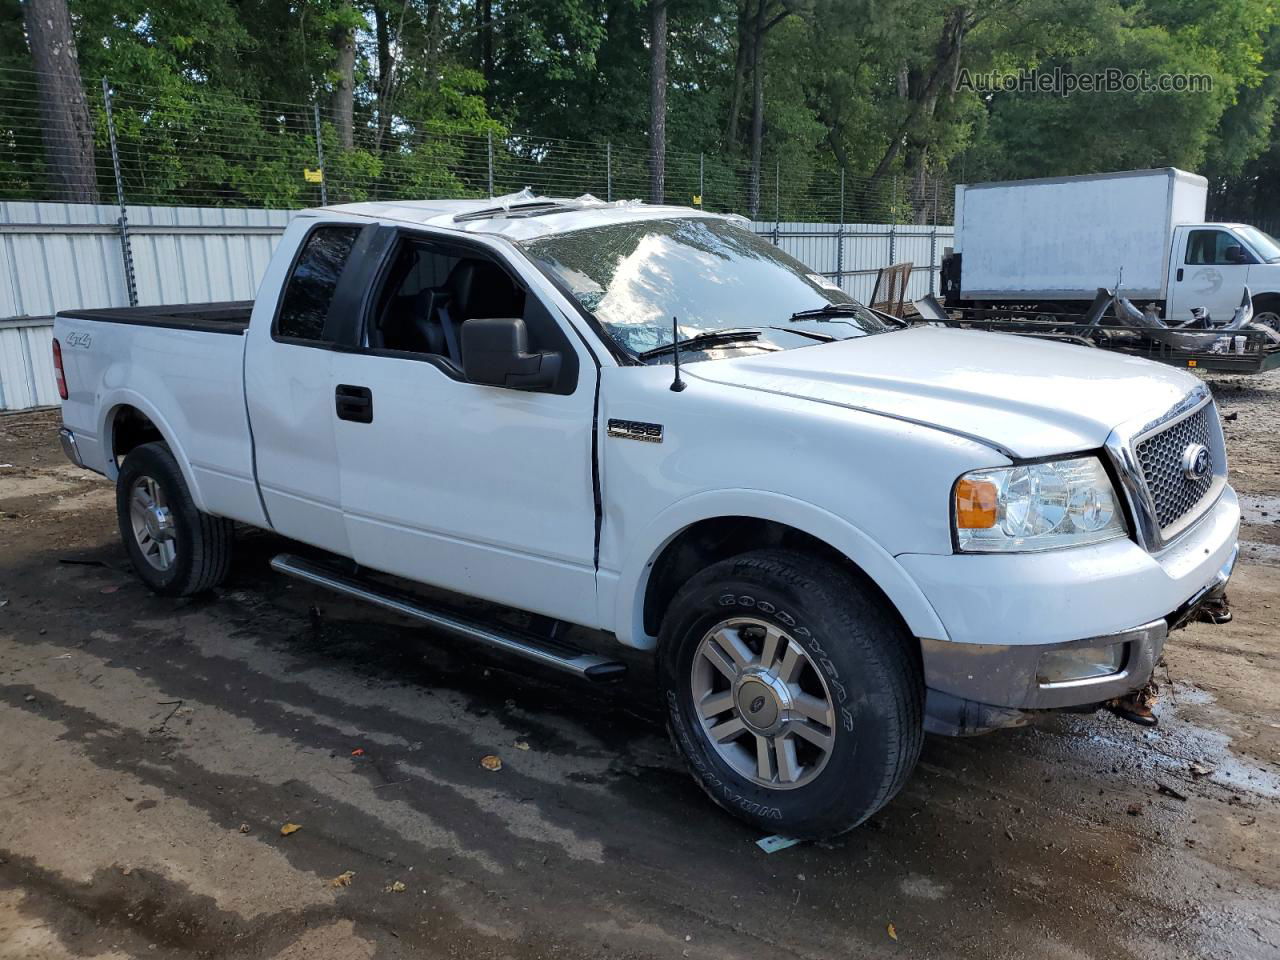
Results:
<point x="1211" y="263"/>
<point x="1048" y="244"/>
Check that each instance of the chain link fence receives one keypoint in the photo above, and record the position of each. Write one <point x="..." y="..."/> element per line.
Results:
<point x="155" y="145"/>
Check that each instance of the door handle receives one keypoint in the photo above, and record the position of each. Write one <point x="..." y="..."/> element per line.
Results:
<point x="1179" y="274"/>
<point x="353" y="403"/>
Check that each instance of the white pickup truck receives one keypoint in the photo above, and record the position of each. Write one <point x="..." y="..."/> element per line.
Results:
<point x="833" y="531"/>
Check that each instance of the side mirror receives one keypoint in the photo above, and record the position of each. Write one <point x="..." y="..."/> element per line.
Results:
<point x="495" y="352"/>
<point x="1235" y="254"/>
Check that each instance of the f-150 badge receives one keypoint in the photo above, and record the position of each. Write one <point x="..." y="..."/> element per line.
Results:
<point x="636" y="430"/>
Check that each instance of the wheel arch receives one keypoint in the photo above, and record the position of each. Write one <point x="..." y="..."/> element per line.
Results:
<point x="709" y="527"/>
<point x="128" y="420"/>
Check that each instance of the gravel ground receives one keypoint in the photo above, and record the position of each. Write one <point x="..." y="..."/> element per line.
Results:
<point x="153" y="749"/>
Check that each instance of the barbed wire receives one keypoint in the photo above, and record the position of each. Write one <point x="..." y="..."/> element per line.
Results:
<point x="210" y="149"/>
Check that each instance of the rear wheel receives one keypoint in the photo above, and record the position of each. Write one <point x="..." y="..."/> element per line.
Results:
<point x="175" y="548"/>
<point x="795" y="697"/>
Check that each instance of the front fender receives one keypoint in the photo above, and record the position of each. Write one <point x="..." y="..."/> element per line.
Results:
<point x="624" y="604"/>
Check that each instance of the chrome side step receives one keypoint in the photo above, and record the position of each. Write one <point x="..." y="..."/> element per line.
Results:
<point x="590" y="666"/>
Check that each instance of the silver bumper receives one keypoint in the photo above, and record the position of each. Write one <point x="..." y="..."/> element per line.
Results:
<point x="974" y="687"/>
<point x="69" y="448"/>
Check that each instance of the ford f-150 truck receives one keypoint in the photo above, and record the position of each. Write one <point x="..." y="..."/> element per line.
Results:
<point x="833" y="532"/>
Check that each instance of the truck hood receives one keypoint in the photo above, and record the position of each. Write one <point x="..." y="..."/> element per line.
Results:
<point x="1026" y="397"/>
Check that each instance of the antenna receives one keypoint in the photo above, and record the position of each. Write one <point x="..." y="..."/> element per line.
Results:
<point x="677" y="384"/>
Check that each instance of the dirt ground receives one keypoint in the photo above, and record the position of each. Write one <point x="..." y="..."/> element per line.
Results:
<point x="151" y="751"/>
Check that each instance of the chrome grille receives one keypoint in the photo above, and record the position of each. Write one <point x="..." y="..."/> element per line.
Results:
<point x="1173" y="494"/>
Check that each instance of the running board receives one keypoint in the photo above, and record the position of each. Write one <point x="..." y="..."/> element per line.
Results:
<point x="549" y="654"/>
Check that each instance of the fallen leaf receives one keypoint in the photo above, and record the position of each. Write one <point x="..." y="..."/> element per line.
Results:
<point x="343" y="879"/>
<point x="289" y="828"/>
<point x="522" y="744"/>
<point x="892" y="931"/>
<point x="396" y="887"/>
<point x="358" y="752"/>
<point x="491" y="762"/>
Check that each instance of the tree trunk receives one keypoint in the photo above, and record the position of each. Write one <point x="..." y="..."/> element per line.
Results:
<point x="740" y="61"/>
<point x="64" y="111"/>
<point x="382" y="33"/>
<point x="924" y="89"/>
<point x="344" y="94"/>
<point x="657" y="101"/>
<point x="757" y="104"/>
<point x="486" y="49"/>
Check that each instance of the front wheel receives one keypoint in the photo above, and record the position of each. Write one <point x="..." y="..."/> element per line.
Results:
<point x="794" y="695"/>
<point x="176" y="549"/>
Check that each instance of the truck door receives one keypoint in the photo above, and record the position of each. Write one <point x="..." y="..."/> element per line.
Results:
<point x="1211" y="273"/>
<point x="289" y="385"/>
<point x="482" y="490"/>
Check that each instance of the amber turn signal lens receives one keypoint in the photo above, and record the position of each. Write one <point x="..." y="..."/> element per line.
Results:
<point x="975" y="504"/>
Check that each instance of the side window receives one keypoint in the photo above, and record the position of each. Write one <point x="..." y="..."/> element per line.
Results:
<point x="1215" y="248"/>
<point x="309" y="289"/>
<point x="432" y="288"/>
<point x="430" y="291"/>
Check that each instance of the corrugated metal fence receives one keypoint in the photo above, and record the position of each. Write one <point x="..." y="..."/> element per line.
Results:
<point x="56" y="256"/>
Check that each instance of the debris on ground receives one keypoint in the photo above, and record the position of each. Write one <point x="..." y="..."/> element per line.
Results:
<point x="1135" y="810"/>
<point x="396" y="887"/>
<point x="521" y="744"/>
<point x="289" y="828"/>
<point x="1136" y="707"/>
<point x="892" y="931"/>
<point x="1199" y="770"/>
<point x="343" y="879"/>
<point x="775" y="843"/>
<point x="491" y="762"/>
<point x="1168" y="791"/>
<point x="244" y="828"/>
<point x="358" y="752"/>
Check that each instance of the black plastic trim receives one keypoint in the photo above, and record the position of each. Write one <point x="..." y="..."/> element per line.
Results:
<point x="185" y="316"/>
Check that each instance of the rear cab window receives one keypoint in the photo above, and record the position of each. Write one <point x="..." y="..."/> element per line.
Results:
<point x="308" y="293"/>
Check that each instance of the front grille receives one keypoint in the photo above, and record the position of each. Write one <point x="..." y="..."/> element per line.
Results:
<point x="1160" y="456"/>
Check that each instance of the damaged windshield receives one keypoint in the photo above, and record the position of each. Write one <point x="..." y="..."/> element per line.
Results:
<point x="709" y="274"/>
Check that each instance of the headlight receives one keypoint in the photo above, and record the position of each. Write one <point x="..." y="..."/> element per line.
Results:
<point x="1038" y="506"/>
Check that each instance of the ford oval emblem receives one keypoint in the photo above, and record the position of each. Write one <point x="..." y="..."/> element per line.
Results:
<point x="1195" y="462"/>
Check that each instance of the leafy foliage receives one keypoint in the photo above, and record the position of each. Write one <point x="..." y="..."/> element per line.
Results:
<point x="213" y="99"/>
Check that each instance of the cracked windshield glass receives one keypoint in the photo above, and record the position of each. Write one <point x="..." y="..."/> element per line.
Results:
<point x="713" y="276"/>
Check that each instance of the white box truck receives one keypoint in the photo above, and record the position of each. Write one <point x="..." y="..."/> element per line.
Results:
<point x="1048" y="245"/>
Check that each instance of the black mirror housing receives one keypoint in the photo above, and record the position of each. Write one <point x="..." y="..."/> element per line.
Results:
<point x="495" y="352"/>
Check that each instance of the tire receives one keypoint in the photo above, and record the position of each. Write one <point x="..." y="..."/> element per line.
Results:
<point x="1266" y="311"/>
<point x="856" y="652"/>
<point x="182" y="552"/>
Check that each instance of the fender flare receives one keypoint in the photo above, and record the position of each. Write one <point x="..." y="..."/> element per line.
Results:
<point x="124" y="397"/>
<point x="876" y="562"/>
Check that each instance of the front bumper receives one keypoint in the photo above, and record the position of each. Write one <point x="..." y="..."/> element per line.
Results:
<point x="1004" y="617"/>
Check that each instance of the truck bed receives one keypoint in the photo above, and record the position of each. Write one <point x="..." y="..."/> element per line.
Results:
<point x="225" y="316"/>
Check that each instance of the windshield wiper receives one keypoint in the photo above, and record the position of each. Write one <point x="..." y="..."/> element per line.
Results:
<point x="711" y="338"/>
<point x="833" y="310"/>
